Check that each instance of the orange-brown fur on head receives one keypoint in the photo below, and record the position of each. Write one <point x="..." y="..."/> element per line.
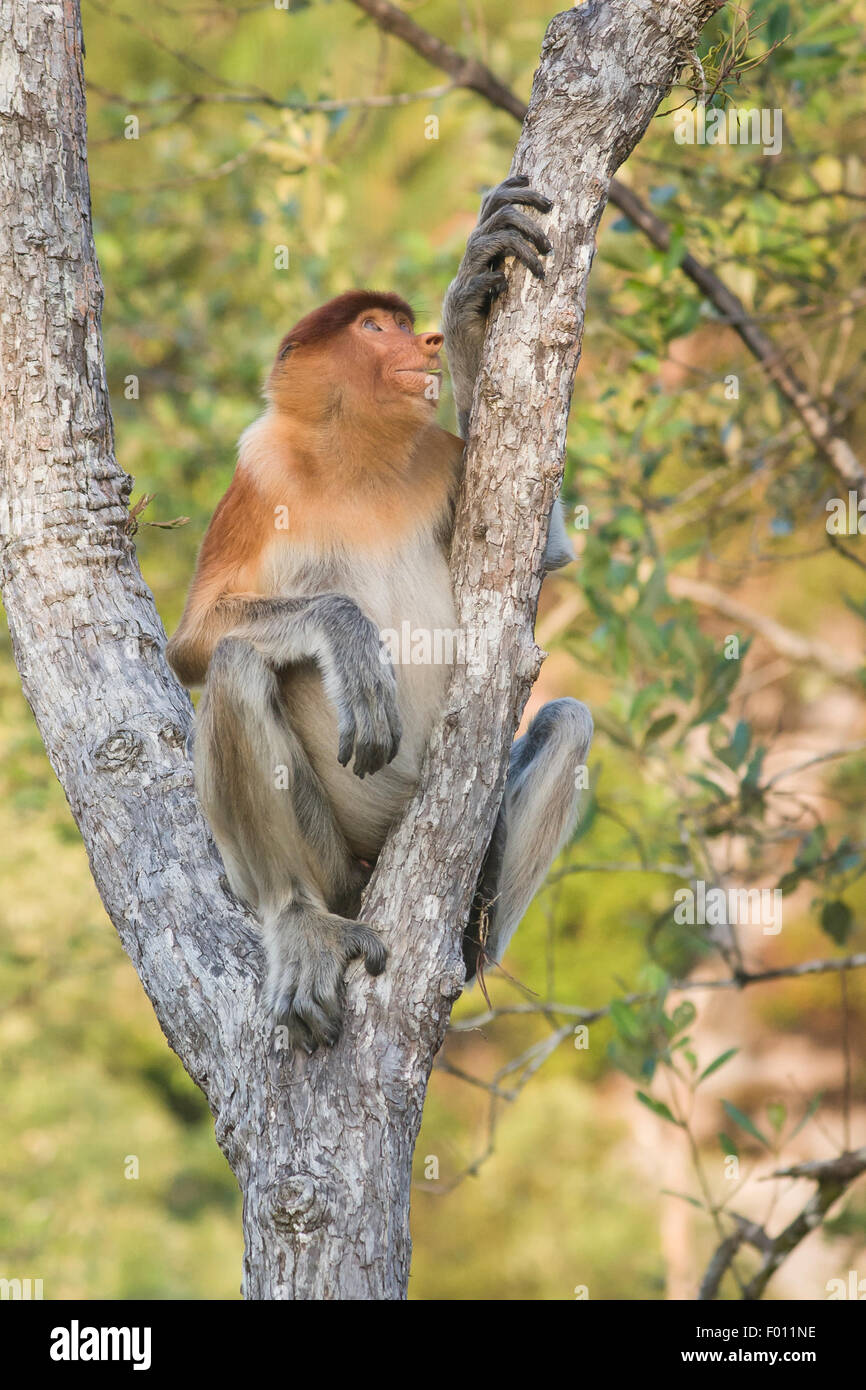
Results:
<point x="331" y="371"/>
<point x="330" y="319"/>
<point x="346" y="458"/>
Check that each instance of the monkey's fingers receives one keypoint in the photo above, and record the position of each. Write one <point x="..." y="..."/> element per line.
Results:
<point x="364" y="942"/>
<point x="394" y="730"/>
<point x="510" y="218"/>
<point x="488" y="251"/>
<point x="513" y="190"/>
<point x="476" y="293"/>
<point x="371" y="750"/>
<point x="379" y="729"/>
<point x="347" y="730"/>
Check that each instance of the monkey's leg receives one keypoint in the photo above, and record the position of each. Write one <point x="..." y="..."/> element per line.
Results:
<point x="283" y="851"/>
<point x="537" y="816"/>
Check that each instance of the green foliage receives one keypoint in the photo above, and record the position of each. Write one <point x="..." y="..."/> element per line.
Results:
<point x="681" y="478"/>
<point x="744" y="1122"/>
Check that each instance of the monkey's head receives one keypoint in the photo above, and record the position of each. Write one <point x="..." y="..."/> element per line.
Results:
<point x="357" y="356"/>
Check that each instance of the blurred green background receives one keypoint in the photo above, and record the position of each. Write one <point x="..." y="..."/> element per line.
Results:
<point x="111" y="1185"/>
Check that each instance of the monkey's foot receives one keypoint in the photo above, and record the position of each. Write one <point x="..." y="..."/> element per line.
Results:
<point x="308" y="952"/>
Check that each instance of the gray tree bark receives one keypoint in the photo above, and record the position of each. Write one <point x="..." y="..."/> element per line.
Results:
<point x="322" y="1147"/>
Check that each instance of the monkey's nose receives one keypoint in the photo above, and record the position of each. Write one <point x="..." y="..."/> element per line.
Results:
<point x="432" y="341"/>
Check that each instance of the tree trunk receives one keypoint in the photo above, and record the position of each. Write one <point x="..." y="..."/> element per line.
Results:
<point x="322" y="1146"/>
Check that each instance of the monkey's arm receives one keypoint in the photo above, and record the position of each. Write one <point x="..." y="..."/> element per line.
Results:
<point x="330" y="630"/>
<point x="502" y="230"/>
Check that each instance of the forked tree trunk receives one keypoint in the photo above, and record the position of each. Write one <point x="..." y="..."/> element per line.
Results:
<point x="322" y="1147"/>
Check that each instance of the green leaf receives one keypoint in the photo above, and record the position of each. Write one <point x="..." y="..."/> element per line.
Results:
<point x="685" y="316"/>
<point x="812" y="848"/>
<point x="779" y="24"/>
<point x="788" y="882"/>
<point x="629" y="523"/>
<point x="718" y="686"/>
<point x="684" y="1015"/>
<point x="708" y="785"/>
<point x="810" y="1111"/>
<point x="658" y="1107"/>
<point x="720" y="1061"/>
<point x="733" y="755"/>
<point x="684" y="1197"/>
<point x="777" y="1114"/>
<point x="675" y="252"/>
<point x="645" y="699"/>
<point x="745" y="1123"/>
<point x="753" y="771"/>
<point x="728" y="1144"/>
<point x="625" y="1022"/>
<point x="837" y="920"/>
<point x="653" y="977"/>
<point x="659" y="727"/>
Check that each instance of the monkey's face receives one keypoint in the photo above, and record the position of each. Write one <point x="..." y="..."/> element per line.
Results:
<point x="390" y="361"/>
<point x="370" y="368"/>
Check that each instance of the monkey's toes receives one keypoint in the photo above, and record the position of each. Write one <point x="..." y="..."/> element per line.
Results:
<point x="282" y="1011"/>
<point x="312" y="1021"/>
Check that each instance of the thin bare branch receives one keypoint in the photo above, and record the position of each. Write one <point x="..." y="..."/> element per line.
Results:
<point x="833" y="1176"/>
<point x="805" y="651"/>
<point x="479" y="78"/>
<point x="739" y="981"/>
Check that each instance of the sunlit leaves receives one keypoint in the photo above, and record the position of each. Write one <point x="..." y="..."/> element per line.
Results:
<point x="718" y="1062"/>
<point x="837" y="919"/>
<point x="739" y="1118"/>
<point x="658" y="1107"/>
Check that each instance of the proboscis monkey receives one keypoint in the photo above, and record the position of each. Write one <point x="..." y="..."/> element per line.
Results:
<point x="334" y="533"/>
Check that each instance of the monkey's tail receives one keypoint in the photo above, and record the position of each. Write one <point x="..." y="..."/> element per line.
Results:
<point x="538" y="815"/>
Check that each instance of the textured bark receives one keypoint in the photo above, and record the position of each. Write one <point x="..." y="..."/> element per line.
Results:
<point x="477" y="77"/>
<point x="322" y="1146"/>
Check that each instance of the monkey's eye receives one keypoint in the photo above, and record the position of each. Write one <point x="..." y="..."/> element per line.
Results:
<point x="372" y="325"/>
<point x="404" y="326"/>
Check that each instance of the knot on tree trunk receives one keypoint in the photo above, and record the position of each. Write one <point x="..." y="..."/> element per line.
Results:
<point x="120" y="749"/>
<point x="173" y="735"/>
<point x="297" y="1202"/>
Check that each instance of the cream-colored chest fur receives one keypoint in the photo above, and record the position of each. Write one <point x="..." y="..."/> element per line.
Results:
<point x="408" y="582"/>
<point x="406" y="592"/>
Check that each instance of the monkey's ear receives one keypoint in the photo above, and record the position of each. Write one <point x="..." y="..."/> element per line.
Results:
<point x="286" y="346"/>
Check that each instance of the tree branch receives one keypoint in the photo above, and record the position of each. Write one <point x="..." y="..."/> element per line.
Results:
<point x="549" y="1009"/>
<point x="322" y="1146"/>
<point x="794" y="646"/>
<point x="833" y="1176"/>
<point x="805" y="651"/>
<point x="477" y="77"/>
